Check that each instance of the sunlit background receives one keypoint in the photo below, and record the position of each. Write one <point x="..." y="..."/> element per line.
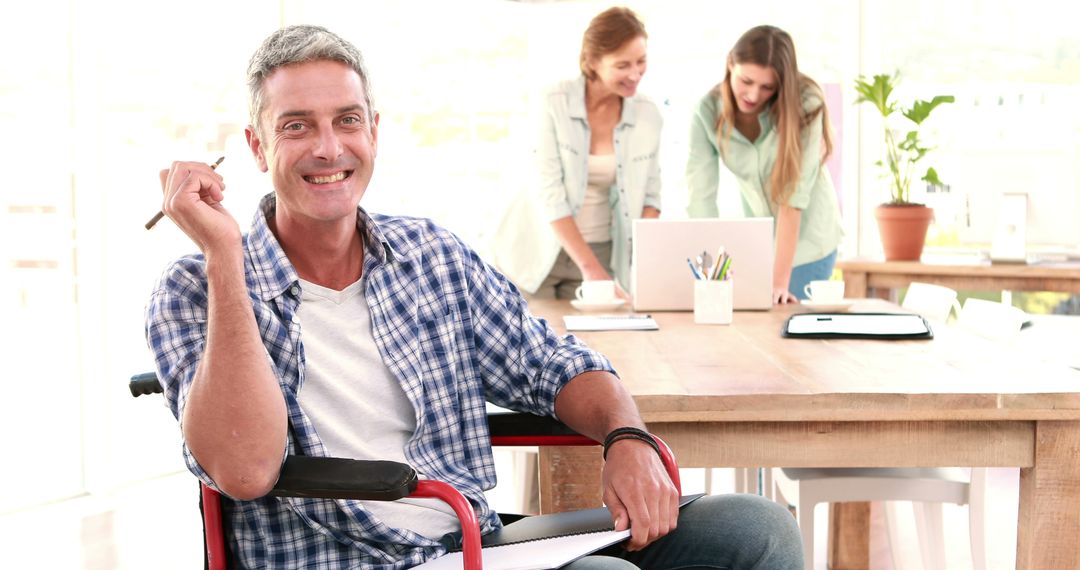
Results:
<point x="96" y="97"/>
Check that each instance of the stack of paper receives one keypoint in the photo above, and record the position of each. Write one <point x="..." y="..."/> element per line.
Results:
<point x="534" y="555"/>
<point x="545" y="541"/>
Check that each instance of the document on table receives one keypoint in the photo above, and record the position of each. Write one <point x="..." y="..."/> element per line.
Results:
<point x="858" y="325"/>
<point x="545" y="541"/>
<point x="612" y="322"/>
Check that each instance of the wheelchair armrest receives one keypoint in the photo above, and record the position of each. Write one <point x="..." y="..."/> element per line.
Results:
<point x="522" y="424"/>
<point x="521" y="429"/>
<point x="510" y="429"/>
<point x="145" y="383"/>
<point x="338" y="478"/>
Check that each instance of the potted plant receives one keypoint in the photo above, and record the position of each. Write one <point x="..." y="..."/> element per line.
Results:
<point x="902" y="223"/>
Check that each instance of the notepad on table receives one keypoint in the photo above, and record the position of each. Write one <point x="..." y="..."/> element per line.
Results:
<point x="545" y="541"/>
<point x="613" y="322"/>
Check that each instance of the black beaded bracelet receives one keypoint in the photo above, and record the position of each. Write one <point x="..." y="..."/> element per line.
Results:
<point x="630" y="433"/>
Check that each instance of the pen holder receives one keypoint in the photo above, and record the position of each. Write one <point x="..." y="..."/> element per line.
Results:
<point x="713" y="302"/>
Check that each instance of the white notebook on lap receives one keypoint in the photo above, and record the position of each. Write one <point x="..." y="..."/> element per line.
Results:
<point x="545" y="541"/>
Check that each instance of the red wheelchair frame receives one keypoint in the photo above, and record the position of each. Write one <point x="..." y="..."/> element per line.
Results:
<point x="330" y="477"/>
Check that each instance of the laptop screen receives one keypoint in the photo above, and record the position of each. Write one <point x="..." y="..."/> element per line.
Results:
<point x="661" y="280"/>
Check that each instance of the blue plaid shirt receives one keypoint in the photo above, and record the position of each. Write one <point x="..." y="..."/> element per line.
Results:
<point x="451" y="329"/>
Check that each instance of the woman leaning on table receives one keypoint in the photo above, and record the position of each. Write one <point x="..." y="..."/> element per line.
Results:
<point x="598" y="167"/>
<point x="768" y="123"/>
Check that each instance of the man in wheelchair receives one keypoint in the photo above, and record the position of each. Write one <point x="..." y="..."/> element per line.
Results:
<point x="327" y="330"/>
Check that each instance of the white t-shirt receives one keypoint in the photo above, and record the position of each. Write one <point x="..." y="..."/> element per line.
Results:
<point x="594" y="218"/>
<point x="356" y="404"/>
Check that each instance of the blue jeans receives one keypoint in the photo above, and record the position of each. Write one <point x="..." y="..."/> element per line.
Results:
<point x="802" y="275"/>
<point x="734" y="532"/>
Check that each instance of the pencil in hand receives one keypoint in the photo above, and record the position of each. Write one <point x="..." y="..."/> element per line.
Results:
<point x="157" y="217"/>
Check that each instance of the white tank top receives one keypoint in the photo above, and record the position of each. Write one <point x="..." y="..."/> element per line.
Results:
<point x="356" y="404"/>
<point x="594" y="218"/>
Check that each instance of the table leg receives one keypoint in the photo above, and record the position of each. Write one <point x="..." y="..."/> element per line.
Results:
<point x="849" y="536"/>
<point x="570" y="478"/>
<point x="854" y="284"/>
<point x="1049" y="517"/>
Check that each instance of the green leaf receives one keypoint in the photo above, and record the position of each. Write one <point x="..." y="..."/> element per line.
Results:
<point x="921" y="109"/>
<point x="877" y="92"/>
<point x="900" y="153"/>
<point x="932" y="177"/>
<point x="910" y="142"/>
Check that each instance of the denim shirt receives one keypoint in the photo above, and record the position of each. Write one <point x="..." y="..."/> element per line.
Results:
<point x="562" y="157"/>
<point x="453" y="332"/>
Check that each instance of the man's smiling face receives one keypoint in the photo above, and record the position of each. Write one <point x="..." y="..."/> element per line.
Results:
<point x="316" y="141"/>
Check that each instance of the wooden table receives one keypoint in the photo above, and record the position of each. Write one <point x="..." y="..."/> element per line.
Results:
<point x="866" y="277"/>
<point x="742" y="396"/>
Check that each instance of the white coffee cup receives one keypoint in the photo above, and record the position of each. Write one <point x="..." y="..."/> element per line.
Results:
<point x="825" y="291"/>
<point x="596" y="291"/>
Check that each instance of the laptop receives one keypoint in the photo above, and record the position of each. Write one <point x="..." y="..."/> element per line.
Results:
<point x="662" y="281"/>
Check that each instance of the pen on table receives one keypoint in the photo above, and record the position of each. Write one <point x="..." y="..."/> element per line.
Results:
<point x="157" y="217"/>
<point x="718" y="273"/>
<point x="714" y="273"/>
<point x="725" y="268"/>
<point x="693" y="269"/>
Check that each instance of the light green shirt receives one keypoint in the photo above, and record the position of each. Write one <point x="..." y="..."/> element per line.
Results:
<point x="752" y="164"/>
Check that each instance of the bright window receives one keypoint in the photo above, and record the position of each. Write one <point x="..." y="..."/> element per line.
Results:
<point x="95" y="108"/>
<point x="1015" y="127"/>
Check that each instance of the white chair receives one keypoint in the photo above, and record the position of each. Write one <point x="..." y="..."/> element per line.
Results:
<point x="927" y="488"/>
<point x="992" y="320"/>
<point x="934" y="302"/>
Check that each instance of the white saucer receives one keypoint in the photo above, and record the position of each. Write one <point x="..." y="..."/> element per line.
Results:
<point x="601" y="306"/>
<point x="824" y="307"/>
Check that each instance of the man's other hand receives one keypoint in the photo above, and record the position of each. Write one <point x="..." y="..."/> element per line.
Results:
<point x="639" y="493"/>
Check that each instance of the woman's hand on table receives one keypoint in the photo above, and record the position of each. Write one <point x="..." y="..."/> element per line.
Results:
<point x="781" y="296"/>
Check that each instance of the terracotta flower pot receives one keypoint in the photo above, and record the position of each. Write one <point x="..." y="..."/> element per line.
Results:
<point x="903" y="230"/>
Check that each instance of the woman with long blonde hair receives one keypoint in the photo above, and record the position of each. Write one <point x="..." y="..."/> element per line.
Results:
<point x="768" y="123"/>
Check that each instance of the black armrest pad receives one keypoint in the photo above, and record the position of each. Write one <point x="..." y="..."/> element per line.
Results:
<point x="337" y="478"/>
<point x="145" y="383"/>
<point x="522" y="424"/>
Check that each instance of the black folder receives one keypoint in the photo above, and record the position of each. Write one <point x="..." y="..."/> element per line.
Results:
<point x="882" y="326"/>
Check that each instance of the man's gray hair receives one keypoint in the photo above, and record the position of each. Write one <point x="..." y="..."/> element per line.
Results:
<point x="299" y="44"/>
